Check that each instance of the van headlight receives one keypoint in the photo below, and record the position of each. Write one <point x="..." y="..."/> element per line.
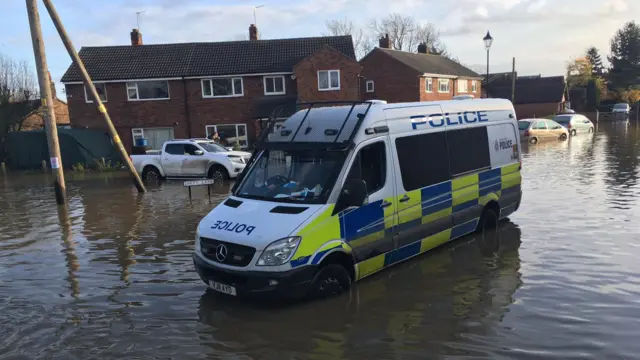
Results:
<point x="279" y="252"/>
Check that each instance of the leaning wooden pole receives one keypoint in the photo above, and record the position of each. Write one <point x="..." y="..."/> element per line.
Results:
<point x="91" y="90"/>
<point x="46" y="97"/>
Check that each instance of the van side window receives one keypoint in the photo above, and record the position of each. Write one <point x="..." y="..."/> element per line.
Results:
<point x="423" y="160"/>
<point x="468" y="150"/>
<point x="370" y="165"/>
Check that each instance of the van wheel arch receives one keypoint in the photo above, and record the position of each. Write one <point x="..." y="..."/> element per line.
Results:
<point x="335" y="275"/>
<point x="490" y="216"/>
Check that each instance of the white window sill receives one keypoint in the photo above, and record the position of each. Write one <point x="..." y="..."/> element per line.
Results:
<point x="91" y="101"/>
<point x="149" y="99"/>
<point x="330" y="89"/>
<point x="275" y="93"/>
<point x="221" y="97"/>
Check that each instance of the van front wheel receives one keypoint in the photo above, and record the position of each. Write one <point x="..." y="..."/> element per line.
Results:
<point x="331" y="280"/>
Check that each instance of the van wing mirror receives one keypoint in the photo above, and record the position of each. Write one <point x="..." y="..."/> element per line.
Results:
<point x="353" y="194"/>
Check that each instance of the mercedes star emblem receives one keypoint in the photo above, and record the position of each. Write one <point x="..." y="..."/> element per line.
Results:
<point x="221" y="252"/>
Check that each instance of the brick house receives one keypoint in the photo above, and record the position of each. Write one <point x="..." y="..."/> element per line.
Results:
<point x="535" y="96"/>
<point x="399" y="76"/>
<point x="188" y="90"/>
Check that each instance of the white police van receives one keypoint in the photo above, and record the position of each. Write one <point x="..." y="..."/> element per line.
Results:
<point x="343" y="190"/>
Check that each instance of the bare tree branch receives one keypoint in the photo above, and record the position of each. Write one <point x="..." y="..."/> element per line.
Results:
<point x="361" y="43"/>
<point x="17" y="88"/>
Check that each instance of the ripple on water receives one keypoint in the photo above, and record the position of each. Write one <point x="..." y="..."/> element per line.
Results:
<point x="117" y="280"/>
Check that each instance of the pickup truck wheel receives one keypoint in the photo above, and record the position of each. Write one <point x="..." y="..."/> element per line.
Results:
<point x="218" y="173"/>
<point x="151" y="173"/>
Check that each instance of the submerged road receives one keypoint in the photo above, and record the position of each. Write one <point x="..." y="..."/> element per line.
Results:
<point x="118" y="281"/>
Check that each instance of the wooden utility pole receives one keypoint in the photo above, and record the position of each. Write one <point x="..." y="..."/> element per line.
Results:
<point x="46" y="97"/>
<point x="513" y="81"/>
<point x="91" y="90"/>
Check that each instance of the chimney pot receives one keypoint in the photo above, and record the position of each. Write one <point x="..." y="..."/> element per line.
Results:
<point x="423" y="48"/>
<point x="384" y="42"/>
<point x="253" y="32"/>
<point x="136" y="37"/>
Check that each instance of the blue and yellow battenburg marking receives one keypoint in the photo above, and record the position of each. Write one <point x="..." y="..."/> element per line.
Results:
<point x="372" y="222"/>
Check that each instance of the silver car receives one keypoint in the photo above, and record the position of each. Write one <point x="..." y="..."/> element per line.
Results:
<point x="575" y="123"/>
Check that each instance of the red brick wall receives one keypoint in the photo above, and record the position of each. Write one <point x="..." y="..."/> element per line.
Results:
<point x="127" y="115"/>
<point x="393" y="81"/>
<point x="306" y="72"/>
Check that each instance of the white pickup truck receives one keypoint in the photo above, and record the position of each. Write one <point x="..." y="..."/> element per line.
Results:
<point x="193" y="158"/>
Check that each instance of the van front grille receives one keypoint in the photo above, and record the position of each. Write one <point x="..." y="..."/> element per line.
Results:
<point x="226" y="253"/>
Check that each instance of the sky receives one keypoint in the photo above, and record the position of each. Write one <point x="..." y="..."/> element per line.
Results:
<point x="543" y="35"/>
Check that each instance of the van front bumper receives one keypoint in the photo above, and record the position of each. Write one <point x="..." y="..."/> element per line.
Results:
<point x="278" y="285"/>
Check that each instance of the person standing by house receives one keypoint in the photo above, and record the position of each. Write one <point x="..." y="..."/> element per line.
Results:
<point x="215" y="137"/>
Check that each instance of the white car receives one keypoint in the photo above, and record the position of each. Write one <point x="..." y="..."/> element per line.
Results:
<point x="621" y="108"/>
<point x="196" y="158"/>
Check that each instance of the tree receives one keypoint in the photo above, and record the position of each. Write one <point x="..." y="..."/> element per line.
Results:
<point x="404" y="33"/>
<point x="593" y="95"/>
<point x="579" y="72"/>
<point x="361" y="43"/>
<point x="17" y="89"/>
<point x="593" y="55"/>
<point x="625" y="57"/>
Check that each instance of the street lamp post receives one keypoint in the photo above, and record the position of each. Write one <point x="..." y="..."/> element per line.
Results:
<point x="488" y="40"/>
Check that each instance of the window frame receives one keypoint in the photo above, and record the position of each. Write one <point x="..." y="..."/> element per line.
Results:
<point x="474" y="86"/>
<point x="443" y="81"/>
<point x="454" y="149"/>
<point x="128" y="87"/>
<point x="86" y="95"/>
<point x="421" y="139"/>
<point x="264" y="83"/>
<point x="233" y="87"/>
<point x="428" y="87"/>
<point x="464" y="82"/>
<point x="373" y="86"/>
<point x="330" y="88"/>
<point x="385" y="168"/>
<point x="215" y="129"/>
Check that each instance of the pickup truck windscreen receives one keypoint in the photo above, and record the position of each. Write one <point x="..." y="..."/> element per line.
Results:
<point x="212" y="147"/>
<point x="300" y="176"/>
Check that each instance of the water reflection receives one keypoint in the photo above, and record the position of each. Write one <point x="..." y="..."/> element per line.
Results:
<point x="466" y="280"/>
<point x="111" y="276"/>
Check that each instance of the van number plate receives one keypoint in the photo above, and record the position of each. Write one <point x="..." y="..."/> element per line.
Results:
<point x="226" y="289"/>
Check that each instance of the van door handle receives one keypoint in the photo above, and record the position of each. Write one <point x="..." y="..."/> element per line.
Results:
<point x="385" y="204"/>
<point x="405" y="198"/>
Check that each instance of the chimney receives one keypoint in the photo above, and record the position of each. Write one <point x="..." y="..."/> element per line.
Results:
<point x="136" y="37"/>
<point x="423" y="48"/>
<point x="385" y="43"/>
<point x="253" y="32"/>
<point x="53" y="86"/>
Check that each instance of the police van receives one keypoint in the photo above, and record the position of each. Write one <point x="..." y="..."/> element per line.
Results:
<point x="341" y="191"/>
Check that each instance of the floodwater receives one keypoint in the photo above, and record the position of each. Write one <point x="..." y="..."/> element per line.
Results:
<point x="117" y="281"/>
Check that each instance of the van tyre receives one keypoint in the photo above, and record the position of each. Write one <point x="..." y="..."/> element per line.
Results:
<point x="488" y="219"/>
<point x="151" y="173"/>
<point x="331" y="280"/>
<point x="218" y="173"/>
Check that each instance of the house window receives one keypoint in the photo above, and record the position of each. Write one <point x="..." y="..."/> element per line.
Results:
<point x="148" y="90"/>
<point x="463" y="86"/>
<point x="474" y="86"/>
<point x="370" y="86"/>
<point x="222" y="87"/>
<point x="155" y="136"/>
<point x="429" y="85"/>
<point x="328" y="80"/>
<point x="229" y="134"/>
<point x="101" y="88"/>
<point x="443" y="85"/>
<point x="274" y="85"/>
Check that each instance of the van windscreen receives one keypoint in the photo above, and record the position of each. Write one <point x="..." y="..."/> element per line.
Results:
<point x="523" y="125"/>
